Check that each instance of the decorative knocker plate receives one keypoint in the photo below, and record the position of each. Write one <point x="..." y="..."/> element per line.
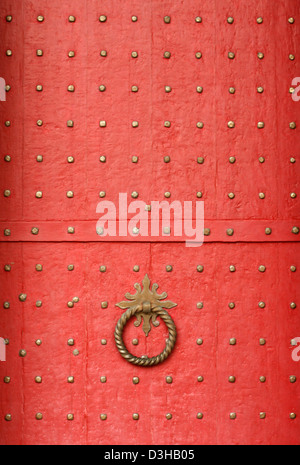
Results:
<point x="146" y="304"/>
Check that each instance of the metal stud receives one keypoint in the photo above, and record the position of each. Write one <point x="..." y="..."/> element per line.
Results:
<point x="70" y="304"/>
<point x="206" y="232"/>
<point x="70" y="267"/>
<point x="293" y="160"/>
<point x="260" y="125"/>
<point x="167" y="195"/>
<point x="7" y="268"/>
<point x="199" y="416"/>
<point x="39" y="158"/>
<point x="262" y="268"/>
<point x="231" y="195"/>
<point x="7" y="88"/>
<point x="71" y="230"/>
<point x="134" y="89"/>
<point x="39" y="53"/>
<point x="134" y="54"/>
<point x="38" y="303"/>
<point x="134" y="19"/>
<point x="232" y="160"/>
<point x="231" y="305"/>
<point x="167" y="19"/>
<point x="199" y="341"/>
<point x="70" y="417"/>
<point x="293" y="195"/>
<point x="199" y="305"/>
<point x="9" y="18"/>
<point x="262" y="415"/>
<point x="292" y="416"/>
<point x="135" y="124"/>
<point x="232" y="341"/>
<point x="262" y="341"/>
<point x="293" y="305"/>
<point x="198" y="19"/>
<point x="7" y="232"/>
<point x="259" y="20"/>
<point x="9" y="53"/>
<point x="40" y="18"/>
<point x="22" y="353"/>
<point x="292" y="125"/>
<point x="39" y="88"/>
<point x="231" y="55"/>
<point x="6" y="379"/>
<point x="102" y="268"/>
<point x="260" y="55"/>
<point x="103" y="416"/>
<point x="167" y="159"/>
<point x="135" y="159"/>
<point x="200" y="268"/>
<point x="231" y="124"/>
<point x="7" y="124"/>
<point x="293" y="379"/>
<point x="260" y="90"/>
<point x="231" y="379"/>
<point x="70" y="159"/>
<point x="134" y="195"/>
<point x="135" y="416"/>
<point x="232" y="416"/>
<point x="8" y="417"/>
<point x="70" y="194"/>
<point x="136" y="268"/>
<point x="230" y="232"/>
<point x="291" y="20"/>
<point x="7" y="193"/>
<point x="71" y="342"/>
<point x="102" y="18"/>
<point x="169" y="416"/>
<point x="71" y="88"/>
<point x="261" y="195"/>
<point x="103" y="342"/>
<point x="70" y="123"/>
<point x="198" y="55"/>
<point x="6" y="305"/>
<point x="268" y="231"/>
<point x="38" y="379"/>
<point x="7" y="158"/>
<point x="103" y="379"/>
<point x="75" y="352"/>
<point x="262" y="379"/>
<point x="39" y="194"/>
<point x="102" y="158"/>
<point x="167" y="55"/>
<point x="104" y="304"/>
<point x="168" y="89"/>
<point x="102" y="194"/>
<point x="232" y="268"/>
<point x="231" y="90"/>
<point x="135" y="380"/>
<point x="169" y="268"/>
<point x="230" y="20"/>
<point x="103" y="53"/>
<point x="291" y="57"/>
<point x="261" y="304"/>
<point x="72" y="19"/>
<point x="200" y="379"/>
<point x="135" y="342"/>
<point x="71" y="54"/>
<point x="293" y="268"/>
<point x="295" y="230"/>
<point x="22" y="297"/>
<point x="38" y="342"/>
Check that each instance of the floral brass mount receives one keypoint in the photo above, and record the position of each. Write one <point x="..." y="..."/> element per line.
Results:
<point x="146" y="304"/>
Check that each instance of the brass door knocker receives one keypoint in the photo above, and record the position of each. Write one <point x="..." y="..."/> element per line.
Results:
<point x="146" y="304"/>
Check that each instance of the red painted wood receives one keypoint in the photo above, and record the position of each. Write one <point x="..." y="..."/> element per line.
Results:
<point x="87" y="323"/>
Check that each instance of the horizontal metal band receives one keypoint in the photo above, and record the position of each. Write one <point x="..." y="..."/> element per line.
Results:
<point x="214" y="231"/>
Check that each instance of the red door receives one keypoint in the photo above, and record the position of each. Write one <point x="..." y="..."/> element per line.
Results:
<point x="161" y="101"/>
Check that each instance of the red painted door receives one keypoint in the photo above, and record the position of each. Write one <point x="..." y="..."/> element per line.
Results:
<point x="162" y="101"/>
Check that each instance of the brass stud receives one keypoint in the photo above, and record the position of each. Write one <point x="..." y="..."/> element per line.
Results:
<point x="168" y="89"/>
<point x="70" y="267"/>
<point x="39" y="52"/>
<point x="261" y="159"/>
<point x="71" y="54"/>
<point x="7" y="268"/>
<point x="102" y="194"/>
<point x="230" y="20"/>
<point x="134" y="54"/>
<point x="293" y="379"/>
<point x="293" y="160"/>
<point x="232" y="160"/>
<point x="134" y="195"/>
<point x="169" y="268"/>
<point x="103" y="53"/>
<point x="8" y="417"/>
<point x="199" y="416"/>
<point x="292" y="416"/>
<point x="231" y="379"/>
<point x="7" y="88"/>
<point x="7" y="124"/>
<point x="103" y="19"/>
<point x="38" y="342"/>
<point x="40" y="18"/>
<point x="71" y="342"/>
<point x="71" y="230"/>
<point x="102" y="88"/>
<point x="135" y="416"/>
<point x="200" y="268"/>
<point x="262" y="341"/>
<point x="38" y="303"/>
<point x="231" y="124"/>
<point x="231" y="195"/>
<point x="291" y="57"/>
<point x="8" y="18"/>
<point x="70" y="379"/>
<point x="260" y="90"/>
<point x="39" y="158"/>
<point x="200" y="124"/>
<point x="199" y="89"/>
<point x="198" y="19"/>
<point x="262" y="268"/>
<point x="70" y="159"/>
<point x="9" y="53"/>
<point x="39" y="194"/>
<point x="134" y="89"/>
<point x="293" y="195"/>
<point x="259" y="20"/>
<point x="72" y="19"/>
<point x="292" y="125"/>
<point x="268" y="231"/>
<point x="70" y="417"/>
<point x="231" y="55"/>
<point x="199" y="305"/>
<point x="167" y="195"/>
<point x="232" y="341"/>
<point x="103" y="379"/>
<point x="295" y="230"/>
<point x="75" y="352"/>
<point x="70" y="123"/>
<point x="169" y="379"/>
<point x="206" y="232"/>
<point x="7" y="158"/>
<point x="230" y="232"/>
<point x="291" y="90"/>
<point x="260" y="55"/>
<point x="70" y="194"/>
<point x="38" y="379"/>
<point x="167" y="124"/>
<point x="167" y="19"/>
<point x="293" y="268"/>
<point x="261" y="195"/>
<point x="6" y="193"/>
<point x="169" y="416"/>
<point x="6" y="305"/>
<point x="39" y="122"/>
<point x="39" y="88"/>
<point x="262" y="415"/>
<point x="232" y="268"/>
<point x="198" y="55"/>
<point x="135" y="159"/>
<point x="262" y="379"/>
<point x="135" y="380"/>
<point x="231" y="305"/>
<point x="293" y="305"/>
<point x="6" y="379"/>
<point x="167" y="159"/>
<point x="260" y="125"/>
<point x="135" y="342"/>
<point x="134" y="19"/>
<point x="102" y="158"/>
<point x="136" y="268"/>
<point x="135" y="124"/>
<point x="261" y="304"/>
<point x="22" y="297"/>
<point x="104" y="304"/>
<point x="22" y="353"/>
<point x="71" y="88"/>
<point x="103" y="416"/>
<point x="231" y="90"/>
<point x="103" y="342"/>
<point x="7" y="232"/>
<point x="75" y="300"/>
<point x="291" y="20"/>
<point x="39" y="416"/>
<point x="232" y="416"/>
<point x="167" y="55"/>
<point x="200" y="379"/>
<point x="199" y="341"/>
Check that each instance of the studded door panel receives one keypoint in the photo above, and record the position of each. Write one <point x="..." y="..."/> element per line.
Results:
<point x="159" y="100"/>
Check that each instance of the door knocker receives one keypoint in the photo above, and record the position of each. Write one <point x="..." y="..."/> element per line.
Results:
<point x="146" y="304"/>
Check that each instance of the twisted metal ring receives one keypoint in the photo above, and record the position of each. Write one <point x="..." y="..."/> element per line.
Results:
<point x="146" y="362"/>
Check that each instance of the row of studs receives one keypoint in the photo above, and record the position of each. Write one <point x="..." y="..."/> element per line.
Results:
<point x="135" y="159"/>
<point x="167" y="124"/>
<point x="136" y="379"/>
<point x="136" y="416"/>
<point x="71" y="230"/>
<point x="134" y="19"/>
